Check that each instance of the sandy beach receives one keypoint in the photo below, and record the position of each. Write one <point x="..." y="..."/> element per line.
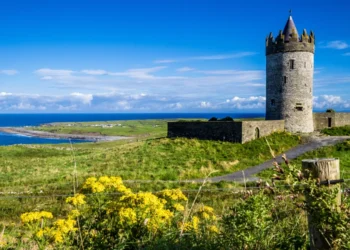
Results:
<point x="43" y="134"/>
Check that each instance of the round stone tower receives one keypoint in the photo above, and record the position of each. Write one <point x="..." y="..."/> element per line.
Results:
<point x="289" y="78"/>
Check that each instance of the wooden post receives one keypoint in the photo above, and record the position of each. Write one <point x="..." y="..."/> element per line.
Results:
<point x="324" y="170"/>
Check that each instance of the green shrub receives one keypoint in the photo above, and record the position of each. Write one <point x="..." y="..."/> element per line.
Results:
<point x="226" y="119"/>
<point x="337" y="131"/>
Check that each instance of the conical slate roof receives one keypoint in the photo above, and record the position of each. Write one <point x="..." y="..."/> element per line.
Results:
<point x="289" y="29"/>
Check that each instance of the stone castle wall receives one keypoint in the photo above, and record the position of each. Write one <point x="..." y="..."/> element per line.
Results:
<point x="240" y="131"/>
<point x="265" y="128"/>
<point x="289" y="89"/>
<point x="342" y="119"/>
<point x="221" y="131"/>
<point x="330" y="119"/>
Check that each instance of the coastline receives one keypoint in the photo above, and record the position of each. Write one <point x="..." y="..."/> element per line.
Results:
<point x="49" y="135"/>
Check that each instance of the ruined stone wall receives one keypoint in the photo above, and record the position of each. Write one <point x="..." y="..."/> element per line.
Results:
<point x="330" y="119"/>
<point x="249" y="129"/>
<point x="222" y="131"/>
<point x="289" y="90"/>
<point x="342" y="119"/>
<point x="321" y="120"/>
<point x="241" y="132"/>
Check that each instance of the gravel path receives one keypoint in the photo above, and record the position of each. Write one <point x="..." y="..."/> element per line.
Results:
<point x="314" y="143"/>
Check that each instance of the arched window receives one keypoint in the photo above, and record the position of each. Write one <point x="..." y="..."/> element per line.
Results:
<point x="257" y="133"/>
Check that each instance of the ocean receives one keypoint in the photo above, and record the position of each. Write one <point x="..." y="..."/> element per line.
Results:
<point x="21" y="120"/>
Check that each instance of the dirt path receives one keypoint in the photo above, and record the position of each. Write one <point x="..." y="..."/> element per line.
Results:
<point x="315" y="143"/>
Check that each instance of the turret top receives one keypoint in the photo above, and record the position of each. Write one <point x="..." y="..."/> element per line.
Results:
<point x="288" y="40"/>
<point x="290" y="29"/>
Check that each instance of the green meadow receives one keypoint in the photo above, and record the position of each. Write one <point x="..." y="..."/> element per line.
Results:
<point x="149" y="156"/>
<point x="40" y="177"/>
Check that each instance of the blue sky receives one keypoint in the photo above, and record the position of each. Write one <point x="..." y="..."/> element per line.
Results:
<point x="160" y="56"/>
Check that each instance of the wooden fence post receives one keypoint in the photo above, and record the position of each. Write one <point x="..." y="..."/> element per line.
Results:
<point x="326" y="171"/>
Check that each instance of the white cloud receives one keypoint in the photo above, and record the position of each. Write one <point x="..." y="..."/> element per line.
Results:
<point x="205" y="105"/>
<point x="46" y="78"/>
<point x="64" y="76"/>
<point x="85" y="98"/>
<point x="9" y="72"/>
<point x="142" y="73"/>
<point x="165" y="61"/>
<point x="334" y="45"/>
<point x="174" y="106"/>
<point x="53" y="72"/>
<point x="209" y="57"/>
<point x="346" y="54"/>
<point x="95" y="72"/>
<point x="5" y="94"/>
<point x="330" y="101"/>
<point x="223" y="56"/>
<point x="184" y="69"/>
<point x="255" y="84"/>
<point x="110" y="102"/>
<point x="252" y="102"/>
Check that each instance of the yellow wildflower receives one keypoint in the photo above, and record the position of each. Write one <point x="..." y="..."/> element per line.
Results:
<point x="77" y="199"/>
<point x="178" y="207"/>
<point x="35" y="216"/>
<point x="3" y="243"/>
<point x="205" y="216"/>
<point x="65" y="226"/>
<point x="172" y="194"/>
<point x="73" y="214"/>
<point x="94" y="185"/>
<point x="127" y="216"/>
<point x="105" y="182"/>
<point x="192" y="225"/>
<point x="213" y="229"/>
<point x="57" y="236"/>
<point x="40" y="233"/>
<point x="207" y="209"/>
<point x="195" y="222"/>
<point x="206" y="212"/>
<point x="97" y="187"/>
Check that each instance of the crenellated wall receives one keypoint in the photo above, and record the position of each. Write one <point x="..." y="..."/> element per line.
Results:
<point x="306" y="43"/>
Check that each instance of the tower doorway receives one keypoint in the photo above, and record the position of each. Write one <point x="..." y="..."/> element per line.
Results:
<point x="329" y="122"/>
<point x="257" y="133"/>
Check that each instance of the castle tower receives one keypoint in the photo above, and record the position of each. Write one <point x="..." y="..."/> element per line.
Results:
<point x="289" y="78"/>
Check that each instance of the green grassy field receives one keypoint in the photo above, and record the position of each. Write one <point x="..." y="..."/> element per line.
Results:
<point x="344" y="130"/>
<point x="136" y="128"/>
<point x="40" y="177"/>
<point x="152" y="159"/>
<point x="36" y="170"/>
<point x="49" y="169"/>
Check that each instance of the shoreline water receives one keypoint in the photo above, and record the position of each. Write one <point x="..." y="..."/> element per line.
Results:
<point x="49" y="135"/>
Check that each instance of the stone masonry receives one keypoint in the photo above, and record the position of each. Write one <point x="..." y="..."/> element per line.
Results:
<point x="239" y="131"/>
<point x="289" y="78"/>
<point x="330" y="119"/>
